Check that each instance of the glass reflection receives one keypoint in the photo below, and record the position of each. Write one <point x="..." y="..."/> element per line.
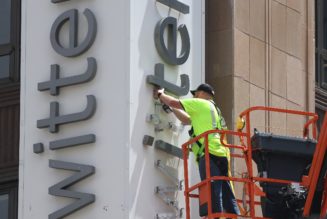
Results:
<point x="5" y="13"/>
<point x="4" y="66"/>
<point x="4" y="203"/>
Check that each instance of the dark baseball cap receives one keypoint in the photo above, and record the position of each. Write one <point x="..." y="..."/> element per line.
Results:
<point x="204" y="87"/>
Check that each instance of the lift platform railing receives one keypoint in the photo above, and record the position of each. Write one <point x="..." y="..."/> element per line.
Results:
<point x="311" y="121"/>
<point x="204" y="187"/>
<point x="311" y="180"/>
<point x="249" y="180"/>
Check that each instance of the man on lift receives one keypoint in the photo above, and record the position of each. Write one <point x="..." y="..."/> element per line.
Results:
<point x="202" y="113"/>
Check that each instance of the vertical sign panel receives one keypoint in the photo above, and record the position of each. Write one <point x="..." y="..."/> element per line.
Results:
<point x="88" y="70"/>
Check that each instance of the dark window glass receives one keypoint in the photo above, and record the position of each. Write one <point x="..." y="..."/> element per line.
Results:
<point x="317" y="66"/>
<point x="324" y="24"/>
<point x="324" y="72"/>
<point x="321" y="115"/>
<point x="316" y="22"/>
<point x="4" y="66"/>
<point x="4" y="206"/>
<point x="9" y="41"/>
<point x="8" y="200"/>
<point x="5" y="9"/>
<point x="321" y="44"/>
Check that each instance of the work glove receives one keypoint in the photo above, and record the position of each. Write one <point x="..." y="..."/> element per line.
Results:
<point x="167" y="108"/>
<point x="157" y="91"/>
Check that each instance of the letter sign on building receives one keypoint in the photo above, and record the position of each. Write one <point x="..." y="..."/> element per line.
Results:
<point x="74" y="49"/>
<point x="55" y="119"/>
<point x="169" y="52"/>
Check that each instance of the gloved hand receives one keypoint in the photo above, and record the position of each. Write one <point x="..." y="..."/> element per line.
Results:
<point x="167" y="108"/>
<point x="240" y="123"/>
<point x="157" y="91"/>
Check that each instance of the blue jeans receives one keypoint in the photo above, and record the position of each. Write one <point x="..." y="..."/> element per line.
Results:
<point x="222" y="195"/>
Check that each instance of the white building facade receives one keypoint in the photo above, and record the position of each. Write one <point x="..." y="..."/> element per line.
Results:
<point x="90" y="131"/>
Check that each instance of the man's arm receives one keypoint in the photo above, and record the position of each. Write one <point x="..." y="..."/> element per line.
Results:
<point x="174" y="103"/>
<point x="182" y="116"/>
<point x="167" y="99"/>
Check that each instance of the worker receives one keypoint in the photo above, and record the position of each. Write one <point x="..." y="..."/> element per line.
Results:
<point x="202" y="113"/>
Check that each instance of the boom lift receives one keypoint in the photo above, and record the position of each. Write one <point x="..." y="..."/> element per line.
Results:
<point x="292" y="181"/>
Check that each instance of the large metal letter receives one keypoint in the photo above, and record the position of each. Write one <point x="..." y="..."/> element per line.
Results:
<point x="74" y="49"/>
<point x="60" y="189"/>
<point x="58" y="1"/>
<point x="55" y="120"/>
<point x="178" y="6"/>
<point x="168" y="53"/>
<point x="71" y="142"/>
<point x="168" y="148"/>
<point x="56" y="82"/>
<point x="159" y="79"/>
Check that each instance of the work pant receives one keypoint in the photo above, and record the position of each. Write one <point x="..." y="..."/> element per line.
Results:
<point x="222" y="194"/>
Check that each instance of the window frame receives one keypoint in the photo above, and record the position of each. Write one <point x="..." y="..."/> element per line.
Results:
<point x="323" y="71"/>
<point x="321" y="59"/>
<point x="321" y="113"/>
<point x="13" y="47"/>
<point x="9" y="96"/>
<point x="11" y="189"/>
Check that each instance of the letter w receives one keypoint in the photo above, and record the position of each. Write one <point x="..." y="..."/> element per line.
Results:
<point x="60" y="189"/>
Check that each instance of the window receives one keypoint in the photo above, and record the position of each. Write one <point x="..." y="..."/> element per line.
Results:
<point x="321" y="59"/>
<point x="9" y="110"/>
<point x="8" y="200"/>
<point x="321" y="114"/>
<point x="9" y="41"/>
<point x="321" y="44"/>
<point x="4" y="66"/>
<point x="4" y="205"/>
<point x="5" y="13"/>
